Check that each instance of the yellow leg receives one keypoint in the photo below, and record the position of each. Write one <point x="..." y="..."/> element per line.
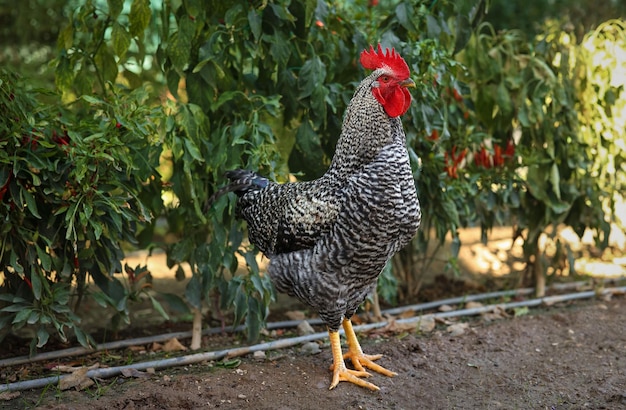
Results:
<point x="357" y="357"/>
<point x="340" y="372"/>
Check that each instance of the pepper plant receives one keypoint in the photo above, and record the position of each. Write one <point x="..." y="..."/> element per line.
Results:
<point x="69" y="197"/>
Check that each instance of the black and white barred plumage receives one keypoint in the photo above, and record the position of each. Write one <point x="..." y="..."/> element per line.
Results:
<point x="329" y="239"/>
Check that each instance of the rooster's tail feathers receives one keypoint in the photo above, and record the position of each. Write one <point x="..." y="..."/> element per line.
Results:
<point x="241" y="182"/>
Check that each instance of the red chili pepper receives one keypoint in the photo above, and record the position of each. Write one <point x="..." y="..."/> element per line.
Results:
<point x="60" y="139"/>
<point x="498" y="160"/>
<point x="30" y="285"/>
<point x="482" y="158"/>
<point x="461" y="156"/>
<point x="449" y="167"/>
<point x="434" y="136"/>
<point x="486" y="158"/>
<point x="452" y="166"/>
<point x="457" y="95"/>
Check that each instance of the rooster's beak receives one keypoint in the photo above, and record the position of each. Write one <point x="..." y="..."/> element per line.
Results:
<point x="407" y="83"/>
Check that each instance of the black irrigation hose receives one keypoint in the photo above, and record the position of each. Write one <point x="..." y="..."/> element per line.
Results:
<point x="283" y="343"/>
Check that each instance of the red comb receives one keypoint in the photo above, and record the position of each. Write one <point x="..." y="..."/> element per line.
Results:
<point x="375" y="59"/>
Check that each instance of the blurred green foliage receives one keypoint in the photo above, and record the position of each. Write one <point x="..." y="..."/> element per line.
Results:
<point x="530" y="16"/>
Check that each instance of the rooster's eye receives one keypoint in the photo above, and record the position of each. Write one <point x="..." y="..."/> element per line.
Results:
<point x="384" y="78"/>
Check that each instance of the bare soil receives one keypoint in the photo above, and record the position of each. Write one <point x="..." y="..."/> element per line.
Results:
<point x="570" y="356"/>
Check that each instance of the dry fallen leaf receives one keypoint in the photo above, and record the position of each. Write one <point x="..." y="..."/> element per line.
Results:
<point x="78" y="379"/>
<point x="130" y="372"/>
<point x="444" y="321"/>
<point x="445" y="308"/>
<point x="9" y="395"/>
<point x="72" y="369"/>
<point x="457" y="329"/>
<point x="396" y="327"/>
<point x="497" y="313"/>
<point x="173" y="345"/>
<point x="426" y="324"/>
<point x="473" y="305"/>
<point x="407" y="314"/>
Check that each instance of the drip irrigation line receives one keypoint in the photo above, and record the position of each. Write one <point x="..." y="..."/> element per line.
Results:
<point x="284" y="343"/>
<point x="121" y="344"/>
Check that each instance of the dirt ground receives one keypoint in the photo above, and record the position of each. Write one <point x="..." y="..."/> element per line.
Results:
<point x="568" y="356"/>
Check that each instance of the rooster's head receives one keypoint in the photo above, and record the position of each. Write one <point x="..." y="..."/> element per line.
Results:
<point x="393" y="78"/>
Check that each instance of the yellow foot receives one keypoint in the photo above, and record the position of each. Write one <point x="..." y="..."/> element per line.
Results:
<point x="340" y="372"/>
<point x="357" y="357"/>
<point x="343" y="374"/>
<point x="361" y="361"/>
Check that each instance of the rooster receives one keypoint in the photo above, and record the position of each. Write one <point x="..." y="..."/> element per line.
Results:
<point x="329" y="239"/>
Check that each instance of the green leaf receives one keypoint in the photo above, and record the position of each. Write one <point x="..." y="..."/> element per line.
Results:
<point x="66" y="38"/>
<point x="97" y="228"/>
<point x="193" y="292"/>
<point x="503" y="100"/>
<point x="139" y="17"/>
<point x="158" y="307"/>
<point x="229" y="363"/>
<point x="240" y="304"/>
<point x="102" y="299"/>
<point x="555" y="179"/>
<point x="312" y="75"/>
<point x="35" y="281"/>
<point x="63" y="74"/>
<point x="115" y="8"/>
<point x="178" y="51"/>
<point x="42" y="336"/>
<point x="521" y="311"/>
<point x="194" y="7"/>
<point x="14" y="308"/>
<point x="251" y="262"/>
<point x="22" y="316"/>
<point x="255" y="20"/>
<point x="279" y="48"/>
<point x="193" y="150"/>
<point x="31" y="204"/>
<point x="121" y="39"/>
<point x="44" y="258"/>
<point x="33" y="317"/>
<point x="82" y="338"/>
<point x="233" y="14"/>
<point x="14" y="262"/>
<point x="176" y="303"/>
<point x="404" y="13"/>
<point x="105" y="60"/>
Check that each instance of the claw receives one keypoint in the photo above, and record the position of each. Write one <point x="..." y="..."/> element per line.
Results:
<point x="357" y="357"/>
<point x="340" y="372"/>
